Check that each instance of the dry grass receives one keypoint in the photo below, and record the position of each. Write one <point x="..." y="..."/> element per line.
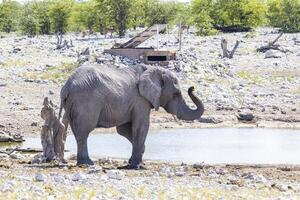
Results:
<point x="15" y="63"/>
<point x="56" y="74"/>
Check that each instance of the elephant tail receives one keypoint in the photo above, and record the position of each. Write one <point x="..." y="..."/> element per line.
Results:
<point x="63" y="99"/>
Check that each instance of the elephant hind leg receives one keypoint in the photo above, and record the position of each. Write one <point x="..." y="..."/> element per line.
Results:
<point x="81" y="128"/>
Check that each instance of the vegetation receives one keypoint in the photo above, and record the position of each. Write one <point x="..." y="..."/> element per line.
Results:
<point x="285" y="14"/>
<point x="208" y="16"/>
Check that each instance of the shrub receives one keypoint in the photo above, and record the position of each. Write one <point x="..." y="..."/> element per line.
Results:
<point x="59" y="13"/>
<point x="9" y="14"/>
<point x="202" y="11"/>
<point x="28" y="24"/>
<point x="239" y="13"/>
<point x="285" y="14"/>
<point x="83" y="16"/>
<point x="41" y="15"/>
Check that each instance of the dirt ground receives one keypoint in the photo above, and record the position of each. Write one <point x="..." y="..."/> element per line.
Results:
<point x="266" y="89"/>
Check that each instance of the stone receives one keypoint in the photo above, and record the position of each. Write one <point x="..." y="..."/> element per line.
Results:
<point x="51" y="92"/>
<point x="256" y="178"/>
<point x="245" y="115"/>
<point x="40" y="177"/>
<point x="15" y="155"/>
<point x="7" y="187"/>
<point x="210" y="120"/>
<point x="115" y="174"/>
<point x="272" y="54"/>
<point x="78" y="176"/>
<point x="34" y="124"/>
<point x="93" y="169"/>
<point x="199" y="165"/>
<point x="280" y="187"/>
<point x="180" y="173"/>
<point x="59" y="179"/>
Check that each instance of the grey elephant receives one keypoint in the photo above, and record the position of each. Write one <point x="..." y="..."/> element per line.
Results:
<point x="106" y="96"/>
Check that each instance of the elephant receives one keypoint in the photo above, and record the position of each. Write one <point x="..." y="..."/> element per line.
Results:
<point x="105" y="96"/>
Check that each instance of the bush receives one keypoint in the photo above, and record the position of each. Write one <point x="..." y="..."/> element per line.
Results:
<point x="202" y="12"/>
<point x="59" y="13"/>
<point x="120" y="14"/>
<point x="284" y="14"/>
<point x="41" y="15"/>
<point x="28" y="24"/>
<point x="239" y="13"/>
<point x="9" y="14"/>
<point x="84" y="16"/>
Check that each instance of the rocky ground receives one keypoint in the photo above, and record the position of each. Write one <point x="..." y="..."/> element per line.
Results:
<point x="160" y="181"/>
<point x="249" y="90"/>
<point x="265" y="91"/>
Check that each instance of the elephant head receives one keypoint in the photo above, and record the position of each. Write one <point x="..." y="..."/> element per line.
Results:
<point x="161" y="88"/>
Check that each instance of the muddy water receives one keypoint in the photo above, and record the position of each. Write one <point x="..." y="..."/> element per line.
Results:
<point x="223" y="145"/>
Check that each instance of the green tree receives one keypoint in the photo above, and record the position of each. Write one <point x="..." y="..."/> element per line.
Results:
<point x="138" y="13"/>
<point x="29" y="21"/>
<point x="41" y="14"/>
<point x="284" y="14"/>
<point x="291" y="15"/>
<point x="202" y="11"/>
<point x="240" y="13"/>
<point x="59" y="13"/>
<point x="103" y="15"/>
<point x="120" y="12"/>
<point x="9" y="14"/>
<point x="83" y="16"/>
<point x="161" y="12"/>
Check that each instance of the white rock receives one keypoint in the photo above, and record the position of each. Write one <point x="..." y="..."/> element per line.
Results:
<point x="93" y="169"/>
<point x="7" y="187"/>
<point x="40" y="177"/>
<point x="59" y="179"/>
<point x="15" y="155"/>
<point x="273" y="54"/>
<point x="281" y="187"/>
<point x="180" y="173"/>
<point x="78" y="176"/>
<point x="103" y="178"/>
<point x="115" y="174"/>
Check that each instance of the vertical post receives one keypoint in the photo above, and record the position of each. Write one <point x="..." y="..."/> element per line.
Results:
<point x="180" y="34"/>
<point x="157" y="37"/>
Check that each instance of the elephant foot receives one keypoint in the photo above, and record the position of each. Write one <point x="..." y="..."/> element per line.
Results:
<point x="133" y="167"/>
<point x="85" y="162"/>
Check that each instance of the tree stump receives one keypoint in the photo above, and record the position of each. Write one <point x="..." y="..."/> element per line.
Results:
<point x="226" y="52"/>
<point x="53" y="134"/>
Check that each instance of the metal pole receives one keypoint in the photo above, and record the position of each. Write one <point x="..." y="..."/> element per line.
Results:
<point x="157" y="37"/>
<point x="180" y="34"/>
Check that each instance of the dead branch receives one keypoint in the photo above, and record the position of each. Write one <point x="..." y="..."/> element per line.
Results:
<point x="271" y="45"/>
<point x="226" y="52"/>
<point x="85" y="52"/>
<point x="53" y="134"/>
<point x="61" y="44"/>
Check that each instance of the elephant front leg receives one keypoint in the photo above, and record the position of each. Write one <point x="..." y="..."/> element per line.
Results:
<point x="139" y="131"/>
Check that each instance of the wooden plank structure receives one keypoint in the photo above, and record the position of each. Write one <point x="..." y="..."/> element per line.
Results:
<point x="150" y="55"/>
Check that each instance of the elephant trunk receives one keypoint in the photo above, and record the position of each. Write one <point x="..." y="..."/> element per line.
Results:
<point x="186" y="113"/>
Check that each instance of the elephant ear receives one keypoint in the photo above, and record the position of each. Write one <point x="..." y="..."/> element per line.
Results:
<point x="150" y="86"/>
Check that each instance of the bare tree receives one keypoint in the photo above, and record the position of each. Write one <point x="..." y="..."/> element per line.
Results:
<point x="226" y="52"/>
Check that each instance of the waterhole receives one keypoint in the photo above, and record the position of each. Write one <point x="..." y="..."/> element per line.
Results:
<point x="222" y="145"/>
